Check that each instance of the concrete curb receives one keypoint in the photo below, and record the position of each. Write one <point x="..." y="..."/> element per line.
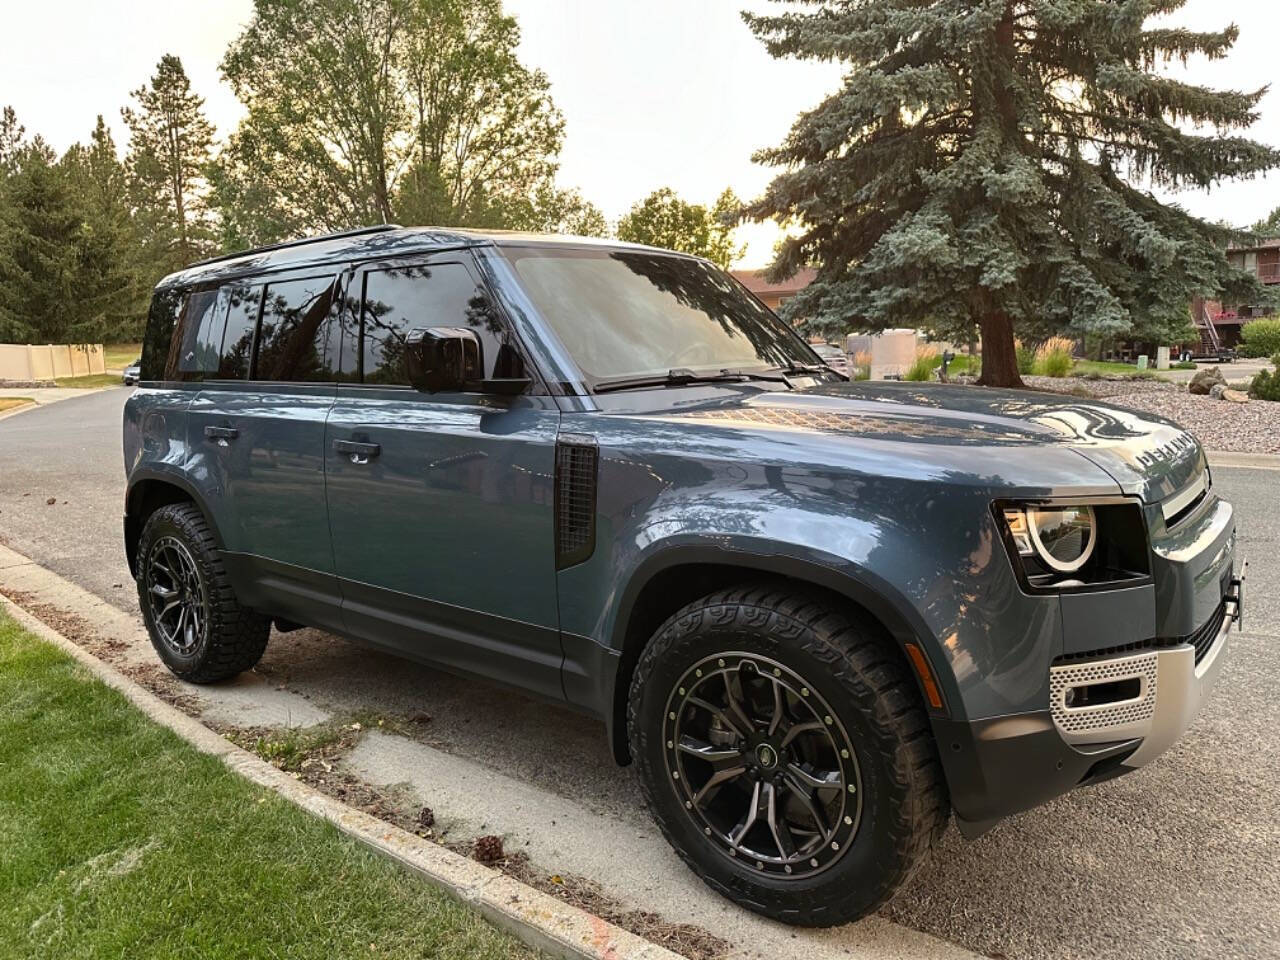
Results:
<point x="21" y="408"/>
<point x="1251" y="461"/>
<point x="533" y="917"/>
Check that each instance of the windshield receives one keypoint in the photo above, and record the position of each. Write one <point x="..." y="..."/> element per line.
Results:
<point x="632" y="313"/>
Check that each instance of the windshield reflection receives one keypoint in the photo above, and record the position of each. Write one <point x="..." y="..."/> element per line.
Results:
<point x="636" y="313"/>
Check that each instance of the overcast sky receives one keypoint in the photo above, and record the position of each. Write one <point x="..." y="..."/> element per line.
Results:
<point x="655" y="93"/>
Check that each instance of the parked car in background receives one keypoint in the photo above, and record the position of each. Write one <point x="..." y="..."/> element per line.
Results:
<point x="819" y="616"/>
<point x="833" y="357"/>
<point x="131" y="373"/>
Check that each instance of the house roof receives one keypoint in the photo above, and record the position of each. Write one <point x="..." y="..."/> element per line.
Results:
<point x="754" y="280"/>
<point x="1262" y="243"/>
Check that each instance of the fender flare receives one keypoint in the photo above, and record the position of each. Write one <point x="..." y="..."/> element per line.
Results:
<point x="803" y="564"/>
<point x="167" y="477"/>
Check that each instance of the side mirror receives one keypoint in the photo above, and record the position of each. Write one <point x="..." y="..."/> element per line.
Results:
<point x="443" y="358"/>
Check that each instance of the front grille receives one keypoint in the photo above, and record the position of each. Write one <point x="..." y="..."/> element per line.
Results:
<point x="1203" y="638"/>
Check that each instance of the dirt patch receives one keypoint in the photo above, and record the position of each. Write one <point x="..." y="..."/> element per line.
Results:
<point x="165" y="685"/>
<point x="312" y="755"/>
<point x="682" y="938"/>
<point x="72" y="626"/>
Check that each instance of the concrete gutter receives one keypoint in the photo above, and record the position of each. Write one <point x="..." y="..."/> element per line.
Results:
<point x="1250" y="461"/>
<point x="533" y="917"/>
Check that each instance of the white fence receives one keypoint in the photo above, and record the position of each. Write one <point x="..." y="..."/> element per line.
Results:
<point x="24" y="361"/>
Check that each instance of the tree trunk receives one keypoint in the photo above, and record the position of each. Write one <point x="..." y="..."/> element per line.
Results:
<point x="999" y="358"/>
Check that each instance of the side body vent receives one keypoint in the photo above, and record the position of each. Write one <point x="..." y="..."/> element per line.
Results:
<point x="577" y="460"/>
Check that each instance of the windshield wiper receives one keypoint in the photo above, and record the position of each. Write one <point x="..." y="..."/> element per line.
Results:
<point x="677" y="377"/>
<point x="766" y="376"/>
<point x="806" y="369"/>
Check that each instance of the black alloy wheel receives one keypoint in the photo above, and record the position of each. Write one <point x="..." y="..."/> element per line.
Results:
<point x="762" y="765"/>
<point x="179" y="608"/>
<point x="197" y="624"/>
<point x="785" y="752"/>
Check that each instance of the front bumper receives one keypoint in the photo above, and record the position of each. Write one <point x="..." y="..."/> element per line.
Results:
<point x="1004" y="765"/>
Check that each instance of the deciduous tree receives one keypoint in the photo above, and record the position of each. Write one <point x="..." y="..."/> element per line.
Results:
<point x="367" y="111"/>
<point x="1268" y="226"/>
<point x="662" y="219"/>
<point x="984" y="163"/>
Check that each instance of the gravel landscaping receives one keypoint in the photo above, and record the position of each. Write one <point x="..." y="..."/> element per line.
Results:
<point x="1252" y="427"/>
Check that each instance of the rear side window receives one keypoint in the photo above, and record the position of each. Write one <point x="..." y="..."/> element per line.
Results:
<point x="158" y="340"/>
<point x="236" y="353"/>
<point x="294" y="337"/>
<point x="203" y="312"/>
<point x="402" y="299"/>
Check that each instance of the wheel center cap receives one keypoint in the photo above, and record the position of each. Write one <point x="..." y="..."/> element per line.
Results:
<point x="766" y="756"/>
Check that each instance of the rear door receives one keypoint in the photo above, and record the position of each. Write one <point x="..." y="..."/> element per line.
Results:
<point x="256" y="434"/>
<point x="442" y="515"/>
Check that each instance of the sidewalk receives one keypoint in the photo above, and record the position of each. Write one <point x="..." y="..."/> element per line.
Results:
<point x="46" y="395"/>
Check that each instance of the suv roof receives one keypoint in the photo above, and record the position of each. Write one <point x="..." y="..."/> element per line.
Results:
<point x="386" y="240"/>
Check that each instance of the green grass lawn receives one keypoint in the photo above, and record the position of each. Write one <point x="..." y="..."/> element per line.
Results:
<point x="120" y="840"/>
<point x="120" y="355"/>
<point x="90" y="381"/>
<point x="960" y="364"/>
<point x="1110" y="368"/>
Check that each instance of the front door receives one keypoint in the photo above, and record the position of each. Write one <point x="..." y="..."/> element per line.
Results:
<point x="256" y="436"/>
<point x="440" y="505"/>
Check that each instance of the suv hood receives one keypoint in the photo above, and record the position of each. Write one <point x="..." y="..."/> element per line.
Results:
<point x="1146" y="455"/>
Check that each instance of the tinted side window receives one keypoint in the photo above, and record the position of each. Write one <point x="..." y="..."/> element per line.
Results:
<point x="402" y="299"/>
<point x="158" y="340"/>
<point x="236" y="354"/>
<point x="294" y="336"/>
<point x="200" y="316"/>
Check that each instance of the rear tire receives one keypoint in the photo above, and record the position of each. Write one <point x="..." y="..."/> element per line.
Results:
<point x="197" y="626"/>
<point x="864" y="735"/>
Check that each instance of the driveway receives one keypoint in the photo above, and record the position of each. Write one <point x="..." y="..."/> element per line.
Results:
<point x="1177" y="860"/>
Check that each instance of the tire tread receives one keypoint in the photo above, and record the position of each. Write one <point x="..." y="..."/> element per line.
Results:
<point x="237" y="636"/>
<point x="863" y="662"/>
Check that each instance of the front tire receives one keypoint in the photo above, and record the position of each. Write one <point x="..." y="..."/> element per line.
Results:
<point x="785" y="754"/>
<point x="197" y="626"/>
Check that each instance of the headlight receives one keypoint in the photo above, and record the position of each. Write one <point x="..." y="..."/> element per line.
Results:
<point x="1062" y="538"/>
<point x="1076" y="546"/>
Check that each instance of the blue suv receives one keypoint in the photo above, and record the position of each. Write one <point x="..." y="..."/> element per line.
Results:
<point x="820" y="617"/>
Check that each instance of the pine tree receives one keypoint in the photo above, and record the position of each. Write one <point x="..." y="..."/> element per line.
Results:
<point x="111" y="296"/>
<point x="983" y="165"/>
<point x="169" y="150"/>
<point x="39" y="228"/>
<point x="13" y="136"/>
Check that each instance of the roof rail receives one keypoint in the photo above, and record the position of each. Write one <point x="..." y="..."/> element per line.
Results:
<point x="303" y="241"/>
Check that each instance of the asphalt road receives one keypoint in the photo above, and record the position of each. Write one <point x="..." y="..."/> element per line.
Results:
<point x="1181" y="859"/>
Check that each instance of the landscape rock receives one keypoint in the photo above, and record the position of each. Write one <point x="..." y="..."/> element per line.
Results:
<point x="1204" y="380"/>
<point x="1233" y="427"/>
<point x="1235" y="396"/>
<point x="1217" y="390"/>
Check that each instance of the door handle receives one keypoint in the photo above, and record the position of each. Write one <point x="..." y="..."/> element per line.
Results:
<point x="221" y="434"/>
<point x="356" y="451"/>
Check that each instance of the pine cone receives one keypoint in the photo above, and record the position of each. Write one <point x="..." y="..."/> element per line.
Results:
<point x="488" y="849"/>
